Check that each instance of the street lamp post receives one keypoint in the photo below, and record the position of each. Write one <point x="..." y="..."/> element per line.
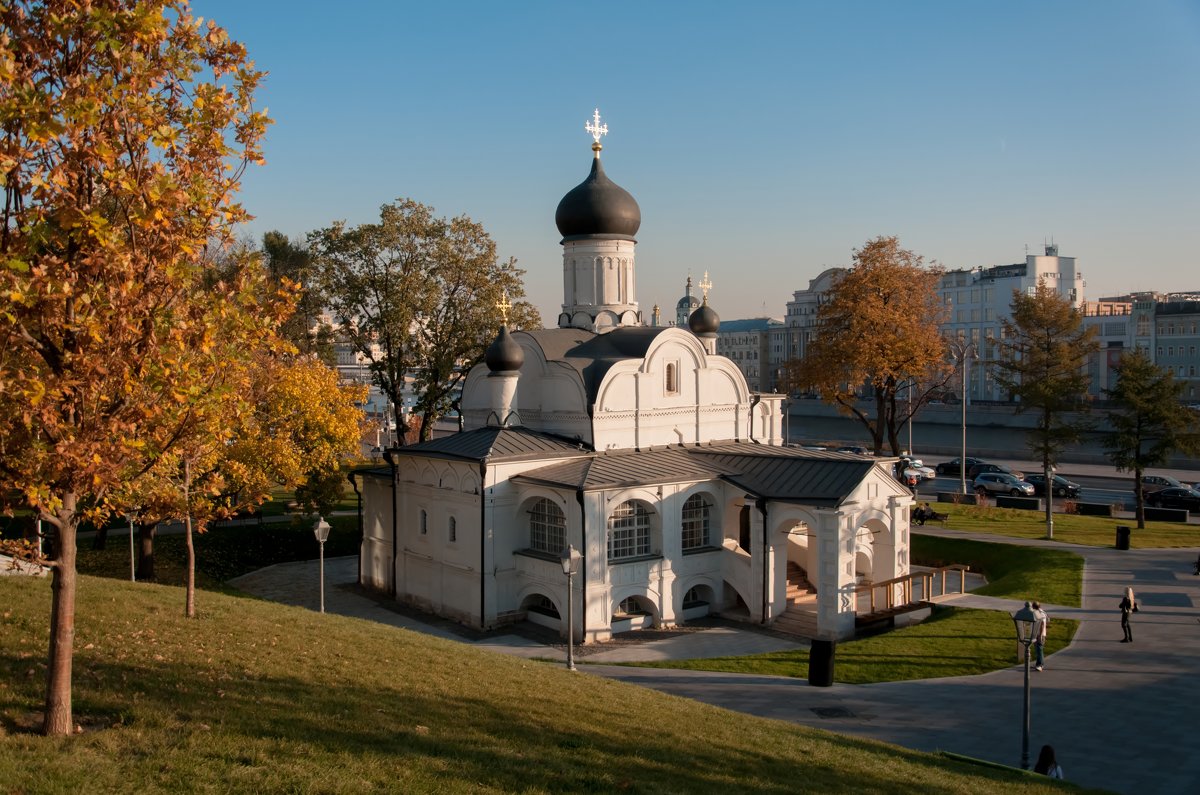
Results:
<point x="1028" y="627"/>
<point x="321" y="531"/>
<point x="963" y="351"/>
<point x="1049" y="475"/>
<point x="570" y="566"/>
<point x="132" y="558"/>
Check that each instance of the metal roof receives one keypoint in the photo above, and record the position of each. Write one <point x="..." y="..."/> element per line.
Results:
<point x="496" y="444"/>
<point x="776" y="473"/>
<point x="592" y="355"/>
<point x="621" y="469"/>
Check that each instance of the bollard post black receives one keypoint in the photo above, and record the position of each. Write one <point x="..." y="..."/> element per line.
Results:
<point x="820" y="663"/>
<point x="1122" y="536"/>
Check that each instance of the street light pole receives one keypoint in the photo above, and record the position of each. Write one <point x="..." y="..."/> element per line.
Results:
<point x="321" y="531"/>
<point x="963" y="351"/>
<point x="1028" y="627"/>
<point x="570" y="565"/>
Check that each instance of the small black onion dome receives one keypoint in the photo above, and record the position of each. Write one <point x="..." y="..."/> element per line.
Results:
<point x="504" y="354"/>
<point x="598" y="206"/>
<point x="704" y="320"/>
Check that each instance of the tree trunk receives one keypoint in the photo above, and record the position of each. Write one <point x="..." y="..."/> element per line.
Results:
<point x="58" y="719"/>
<point x="145" y="564"/>
<point x="1139" y="498"/>
<point x="189" y="609"/>
<point x="100" y="540"/>
<point x="1048" y="474"/>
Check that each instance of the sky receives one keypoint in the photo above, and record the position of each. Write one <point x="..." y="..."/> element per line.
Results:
<point x="763" y="141"/>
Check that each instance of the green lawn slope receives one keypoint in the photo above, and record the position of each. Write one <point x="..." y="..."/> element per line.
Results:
<point x="257" y="697"/>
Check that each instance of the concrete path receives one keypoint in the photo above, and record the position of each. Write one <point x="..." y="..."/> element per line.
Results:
<point x="1118" y="714"/>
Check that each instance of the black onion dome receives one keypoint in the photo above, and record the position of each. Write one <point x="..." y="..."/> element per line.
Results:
<point x="704" y="320"/>
<point x="504" y="354"/>
<point x="598" y="206"/>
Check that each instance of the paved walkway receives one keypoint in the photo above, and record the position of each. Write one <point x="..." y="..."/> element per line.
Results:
<point x="1118" y="714"/>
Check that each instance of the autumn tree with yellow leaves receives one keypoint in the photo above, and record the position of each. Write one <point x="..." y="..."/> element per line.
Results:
<point x="125" y="126"/>
<point x="878" y="329"/>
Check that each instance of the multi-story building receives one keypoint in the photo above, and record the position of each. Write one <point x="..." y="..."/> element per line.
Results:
<point x="979" y="300"/>
<point x="748" y="344"/>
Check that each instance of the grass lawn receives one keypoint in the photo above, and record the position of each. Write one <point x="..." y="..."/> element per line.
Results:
<point x="953" y="641"/>
<point x="1053" y="576"/>
<point x="258" y="697"/>
<point x="1092" y="531"/>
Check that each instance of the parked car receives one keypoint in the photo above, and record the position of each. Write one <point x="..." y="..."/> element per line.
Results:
<point x="857" y="449"/>
<point x="951" y="467"/>
<point x="1062" y="486"/>
<point x="1002" y="483"/>
<point x="983" y="467"/>
<point x="917" y="465"/>
<point x="1175" y="497"/>
<point x="1152" y="483"/>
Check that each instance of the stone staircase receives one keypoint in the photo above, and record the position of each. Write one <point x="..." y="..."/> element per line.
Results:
<point x="800" y="617"/>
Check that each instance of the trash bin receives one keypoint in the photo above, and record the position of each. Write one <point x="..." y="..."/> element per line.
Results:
<point x="1122" y="536"/>
<point x="820" y="663"/>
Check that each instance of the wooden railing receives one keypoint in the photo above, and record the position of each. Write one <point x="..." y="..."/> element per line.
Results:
<point x="893" y="596"/>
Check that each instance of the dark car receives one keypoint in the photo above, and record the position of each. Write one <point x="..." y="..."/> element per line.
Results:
<point x="1175" y="497"/>
<point x="1152" y="483"/>
<point x="951" y="467"/>
<point x="983" y="467"/>
<point x="1062" y="486"/>
<point x="854" y="448"/>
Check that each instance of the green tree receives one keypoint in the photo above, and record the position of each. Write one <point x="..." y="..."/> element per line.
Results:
<point x="416" y="295"/>
<point x="1148" y="419"/>
<point x="878" y="327"/>
<point x="127" y="125"/>
<point x="1044" y="350"/>
<point x="290" y="264"/>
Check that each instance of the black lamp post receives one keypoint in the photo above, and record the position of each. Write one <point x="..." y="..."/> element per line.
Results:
<point x="1028" y="627"/>
<point x="570" y="566"/>
<point x="321" y="531"/>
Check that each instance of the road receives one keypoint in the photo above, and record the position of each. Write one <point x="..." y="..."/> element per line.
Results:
<point x="1101" y="484"/>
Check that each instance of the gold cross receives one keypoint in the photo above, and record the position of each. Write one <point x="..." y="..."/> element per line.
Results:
<point x="705" y="285"/>
<point x="503" y="305"/>
<point x="595" y="127"/>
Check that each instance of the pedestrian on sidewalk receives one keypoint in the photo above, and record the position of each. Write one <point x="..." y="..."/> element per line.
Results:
<point x="1047" y="765"/>
<point x="1128" y="605"/>
<point x="1039" y="642"/>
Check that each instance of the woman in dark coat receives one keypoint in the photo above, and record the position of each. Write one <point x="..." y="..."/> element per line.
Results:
<point x="1128" y="605"/>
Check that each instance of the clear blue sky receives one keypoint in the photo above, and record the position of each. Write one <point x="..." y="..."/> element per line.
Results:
<point x="763" y="141"/>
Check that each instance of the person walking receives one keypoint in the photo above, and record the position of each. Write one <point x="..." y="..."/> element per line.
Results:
<point x="1128" y="605"/>
<point x="1047" y="765"/>
<point x="1039" y="642"/>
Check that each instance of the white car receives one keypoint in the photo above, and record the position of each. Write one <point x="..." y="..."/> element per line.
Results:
<point x="917" y="466"/>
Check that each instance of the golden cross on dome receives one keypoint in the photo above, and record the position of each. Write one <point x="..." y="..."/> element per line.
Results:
<point x="596" y="129"/>
<point x="503" y="305"/>
<point x="705" y="286"/>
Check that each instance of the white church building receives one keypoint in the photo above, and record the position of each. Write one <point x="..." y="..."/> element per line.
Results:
<point x="643" y="450"/>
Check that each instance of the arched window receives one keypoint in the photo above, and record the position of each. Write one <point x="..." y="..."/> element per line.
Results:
<point x="424" y="522"/>
<point x="453" y="530"/>
<point x="672" y="379"/>
<point x="546" y="526"/>
<point x="628" y="531"/>
<point x="695" y="522"/>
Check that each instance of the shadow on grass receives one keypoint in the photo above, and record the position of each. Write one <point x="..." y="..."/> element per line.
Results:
<point x="269" y="698"/>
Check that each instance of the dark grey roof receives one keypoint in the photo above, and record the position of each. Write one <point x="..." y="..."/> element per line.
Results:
<point x="591" y="354"/>
<point x="788" y="474"/>
<point x="776" y="473"/>
<point x="620" y="469"/>
<point x="496" y="444"/>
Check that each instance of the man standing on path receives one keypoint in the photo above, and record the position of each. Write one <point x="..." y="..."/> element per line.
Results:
<point x="1039" y="642"/>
